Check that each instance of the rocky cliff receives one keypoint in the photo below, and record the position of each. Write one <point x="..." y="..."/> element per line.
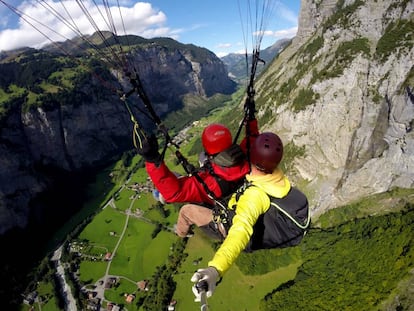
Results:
<point x="341" y="94"/>
<point x="80" y="127"/>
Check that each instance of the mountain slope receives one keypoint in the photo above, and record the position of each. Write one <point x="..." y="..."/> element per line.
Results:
<point x="62" y="114"/>
<point x="342" y="94"/>
<point x="236" y="63"/>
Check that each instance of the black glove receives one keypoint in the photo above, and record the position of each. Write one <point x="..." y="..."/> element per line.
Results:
<point x="148" y="149"/>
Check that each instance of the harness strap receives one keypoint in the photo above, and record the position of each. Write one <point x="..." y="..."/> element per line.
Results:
<point x="219" y="209"/>
<point x="303" y="227"/>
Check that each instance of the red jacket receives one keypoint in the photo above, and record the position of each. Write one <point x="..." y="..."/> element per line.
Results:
<point x="188" y="188"/>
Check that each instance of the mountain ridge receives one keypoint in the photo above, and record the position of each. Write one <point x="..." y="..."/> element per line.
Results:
<point x="240" y="71"/>
<point x="58" y="117"/>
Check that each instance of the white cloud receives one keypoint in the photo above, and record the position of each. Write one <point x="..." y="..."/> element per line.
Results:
<point x="62" y="20"/>
<point x="272" y="35"/>
<point x="224" y="45"/>
<point x="284" y="33"/>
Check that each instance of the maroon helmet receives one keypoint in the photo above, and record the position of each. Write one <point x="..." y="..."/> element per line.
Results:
<point x="267" y="152"/>
<point x="216" y="138"/>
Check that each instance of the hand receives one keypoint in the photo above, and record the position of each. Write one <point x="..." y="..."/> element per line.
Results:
<point x="148" y="149"/>
<point x="158" y="196"/>
<point x="202" y="277"/>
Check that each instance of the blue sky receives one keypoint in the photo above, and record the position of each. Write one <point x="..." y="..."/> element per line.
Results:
<point x="222" y="26"/>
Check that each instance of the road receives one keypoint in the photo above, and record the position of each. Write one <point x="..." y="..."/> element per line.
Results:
<point x="70" y="302"/>
<point x="100" y="284"/>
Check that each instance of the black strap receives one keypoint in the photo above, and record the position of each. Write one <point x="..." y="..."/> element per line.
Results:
<point x="294" y="198"/>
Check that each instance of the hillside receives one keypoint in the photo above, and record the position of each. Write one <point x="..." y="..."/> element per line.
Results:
<point x="62" y="116"/>
<point x="340" y="97"/>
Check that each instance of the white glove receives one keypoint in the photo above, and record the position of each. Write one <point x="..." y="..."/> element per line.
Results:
<point x="208" y="276"/>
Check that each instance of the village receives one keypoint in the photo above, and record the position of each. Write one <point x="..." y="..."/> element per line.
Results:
<point x="94" y="293"/>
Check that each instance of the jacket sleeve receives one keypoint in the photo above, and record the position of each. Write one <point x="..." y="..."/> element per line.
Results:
<point x="253" y="127"/>
<point x="182" y="188"/>
<point x="252" y="131"/>
<point x="250" y="206"/>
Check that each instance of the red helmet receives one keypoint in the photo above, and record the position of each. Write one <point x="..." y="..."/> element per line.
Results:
<point x="267" y="152"/>
<point x="216" y="138"/>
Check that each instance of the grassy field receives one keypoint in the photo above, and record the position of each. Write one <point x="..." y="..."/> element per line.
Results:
<point x="237" y="291"/>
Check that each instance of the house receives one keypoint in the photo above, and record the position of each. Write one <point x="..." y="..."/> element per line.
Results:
<point x="30" y="298"/>
<point x="143" y="285"/>
<point x="91" y="294"/>
<point x="129" y="298"/>
<point x="112" y="307"/>
<point x="93" y="304"/>
<point x="108" y="256"/>
<point x="171" y="306"/>
<point x="110" y="282"/>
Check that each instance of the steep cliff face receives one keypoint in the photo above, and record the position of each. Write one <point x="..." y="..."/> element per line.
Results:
<point x="343" y="92"/>
<point x="312" y="15"/>
<point x="18" y="179"/>
<point x="168" y="74"/>
<point x="79" y="129"/>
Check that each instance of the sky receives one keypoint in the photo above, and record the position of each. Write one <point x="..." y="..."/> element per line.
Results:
<point x="222" y="26"/>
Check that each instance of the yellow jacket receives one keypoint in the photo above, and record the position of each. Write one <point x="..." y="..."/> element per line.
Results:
<point x="250" y="205"/>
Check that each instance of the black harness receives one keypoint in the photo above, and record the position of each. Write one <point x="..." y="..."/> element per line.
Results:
<point x="284" y="223"/>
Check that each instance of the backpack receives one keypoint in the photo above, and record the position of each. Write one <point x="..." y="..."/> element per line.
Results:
<point x="227" y="158"/>
<point x="284" y="223"/>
